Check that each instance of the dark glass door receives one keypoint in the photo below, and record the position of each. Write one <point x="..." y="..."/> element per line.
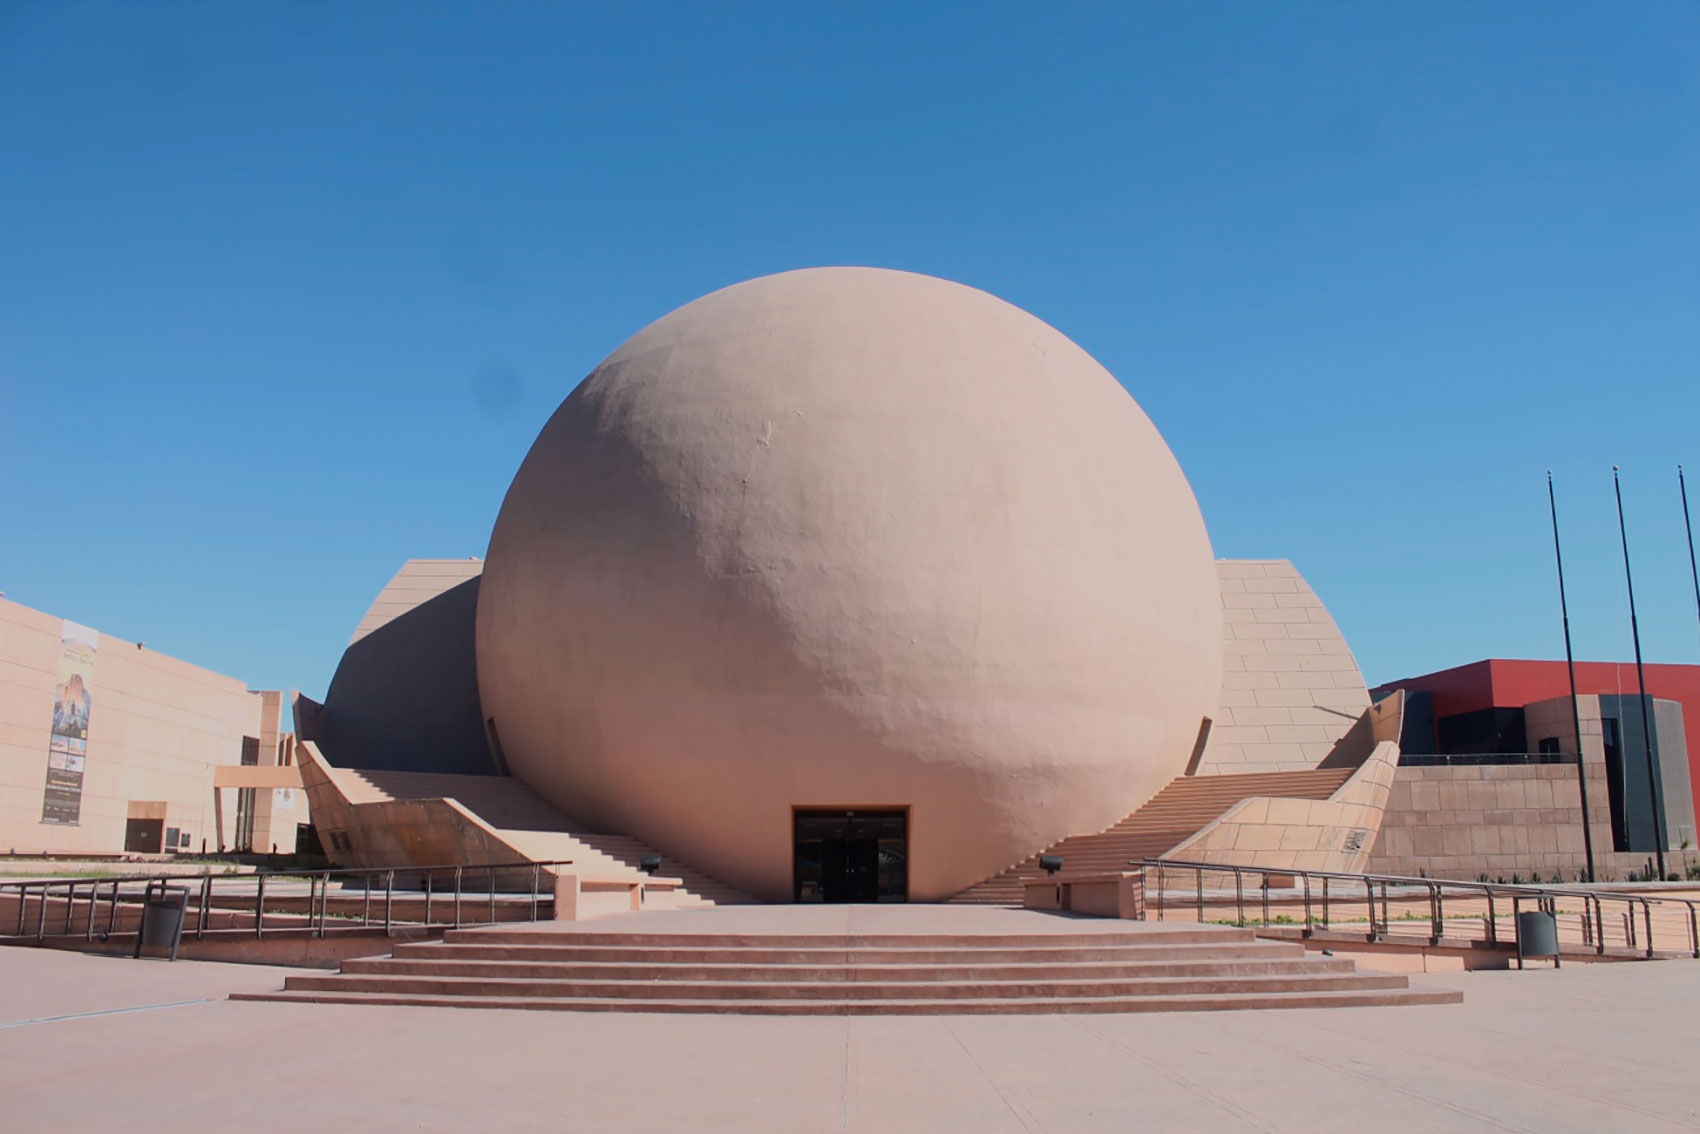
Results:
<point x="851" y="856"/>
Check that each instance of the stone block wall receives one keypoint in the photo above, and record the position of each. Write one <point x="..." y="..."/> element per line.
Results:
<point x="1499" y="820"/>
<point x="1291" y="689"/>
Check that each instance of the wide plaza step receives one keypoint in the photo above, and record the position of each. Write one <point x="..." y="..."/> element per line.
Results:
<point x="1146" y="938"/>
<point x="929" y="1007"/>
<point x="840" y="989"/>
<point x="1138" y="969"/>
<point x="815" y="972"/>
<point x="794" y="955"/>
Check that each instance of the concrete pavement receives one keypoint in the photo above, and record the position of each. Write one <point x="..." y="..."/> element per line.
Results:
<point x="1600" y="1047"/>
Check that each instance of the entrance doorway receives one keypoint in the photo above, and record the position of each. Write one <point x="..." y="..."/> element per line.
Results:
<point x="850" y="856"/>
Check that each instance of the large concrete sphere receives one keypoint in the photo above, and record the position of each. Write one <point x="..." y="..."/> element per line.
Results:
<point x="856" y="538"/>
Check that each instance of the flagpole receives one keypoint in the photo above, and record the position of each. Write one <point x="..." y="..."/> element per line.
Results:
<point x="1575" y="710"/>
<point x="1689" y="525"/>
<point x="1654" y="794"/>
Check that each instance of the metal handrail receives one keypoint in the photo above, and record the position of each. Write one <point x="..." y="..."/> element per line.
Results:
<point x="1592" y="900"/>
<point x="1481" y="759"/>
<point x="121" y="890"/>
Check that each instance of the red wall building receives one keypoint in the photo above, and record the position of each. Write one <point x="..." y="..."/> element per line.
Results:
<point x="1502" y="683"/>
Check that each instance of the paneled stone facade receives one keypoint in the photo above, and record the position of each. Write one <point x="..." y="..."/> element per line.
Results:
<point x="1498" y="820"/>
<point x="1291" y="689"/>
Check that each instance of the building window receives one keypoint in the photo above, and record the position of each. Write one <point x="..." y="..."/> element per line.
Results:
<point x="1610" y="740"/>
<point x="244" y="820"/>
<point x="1549" y="746"/>
<point x="250" y="751"/>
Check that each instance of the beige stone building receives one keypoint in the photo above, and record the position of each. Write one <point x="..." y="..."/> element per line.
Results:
<point x="108" y="747"/>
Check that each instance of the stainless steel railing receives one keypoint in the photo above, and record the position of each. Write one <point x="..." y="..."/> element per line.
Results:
<point x="448" y="896"/>
<point x="1321" y="896"/>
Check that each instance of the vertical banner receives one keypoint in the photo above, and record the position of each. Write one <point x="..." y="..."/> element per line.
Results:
<point x="63" y="800"/>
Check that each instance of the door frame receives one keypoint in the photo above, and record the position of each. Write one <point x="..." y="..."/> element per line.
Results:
<point x="889" y="808"/>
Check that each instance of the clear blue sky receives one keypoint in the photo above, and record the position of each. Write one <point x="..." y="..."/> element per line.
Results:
<point x="287" y="290"/>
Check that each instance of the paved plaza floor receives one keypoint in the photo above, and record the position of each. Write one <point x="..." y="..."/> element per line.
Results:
<point x="95" y="1043"/>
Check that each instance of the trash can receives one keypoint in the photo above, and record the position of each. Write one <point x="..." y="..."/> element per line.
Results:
<point x="1537" y="936"/>
<point x="164" y="910"/>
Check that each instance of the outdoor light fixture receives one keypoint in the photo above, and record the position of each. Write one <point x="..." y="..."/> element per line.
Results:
<point x="649" y="863"/>
<point x="1051" y="862"/>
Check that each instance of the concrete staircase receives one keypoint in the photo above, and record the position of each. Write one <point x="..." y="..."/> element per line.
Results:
<point x="529" y="824"/>
<point x="1168" y="819"/>
<point x="1137" y="969"/>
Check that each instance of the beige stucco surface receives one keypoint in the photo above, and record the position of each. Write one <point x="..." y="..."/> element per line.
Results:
<point x="849" y="537"/>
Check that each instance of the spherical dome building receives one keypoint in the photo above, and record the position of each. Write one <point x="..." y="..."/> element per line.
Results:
<point x="848" y="545"/>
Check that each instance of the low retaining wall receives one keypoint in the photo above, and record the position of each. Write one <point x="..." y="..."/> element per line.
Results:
<point x="1119" y="894"/>
<point x="1501" y="820"/>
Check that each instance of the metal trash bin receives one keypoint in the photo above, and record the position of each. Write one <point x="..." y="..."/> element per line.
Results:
<point x="164" y="911"/>
<point x="1537" y="936"/>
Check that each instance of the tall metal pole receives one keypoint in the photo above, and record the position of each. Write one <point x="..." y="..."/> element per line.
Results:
<point x="1689" y="525"/>
<point x="1653" y="786"/>
<point x="1575" y="710"/>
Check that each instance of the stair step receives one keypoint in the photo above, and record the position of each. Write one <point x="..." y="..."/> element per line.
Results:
<point x="901" y="973"/>
<point x="1153" y="937"/>
<point x="918" y="1007"/>
<point x="1263" y="950"/>
<point x="490" y="987"/>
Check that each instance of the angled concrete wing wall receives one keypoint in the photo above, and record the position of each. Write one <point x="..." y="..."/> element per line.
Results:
<point x="309" y="716"/>
<point x="363" y="825"/>
<point x="1382" y="721"/>
<point x="379" y="833"/>
<point x="405" y="695"/>
<point x="424" y="832"/>
<point x="1335" y="834"/>
<point x="1291" y="691"/>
